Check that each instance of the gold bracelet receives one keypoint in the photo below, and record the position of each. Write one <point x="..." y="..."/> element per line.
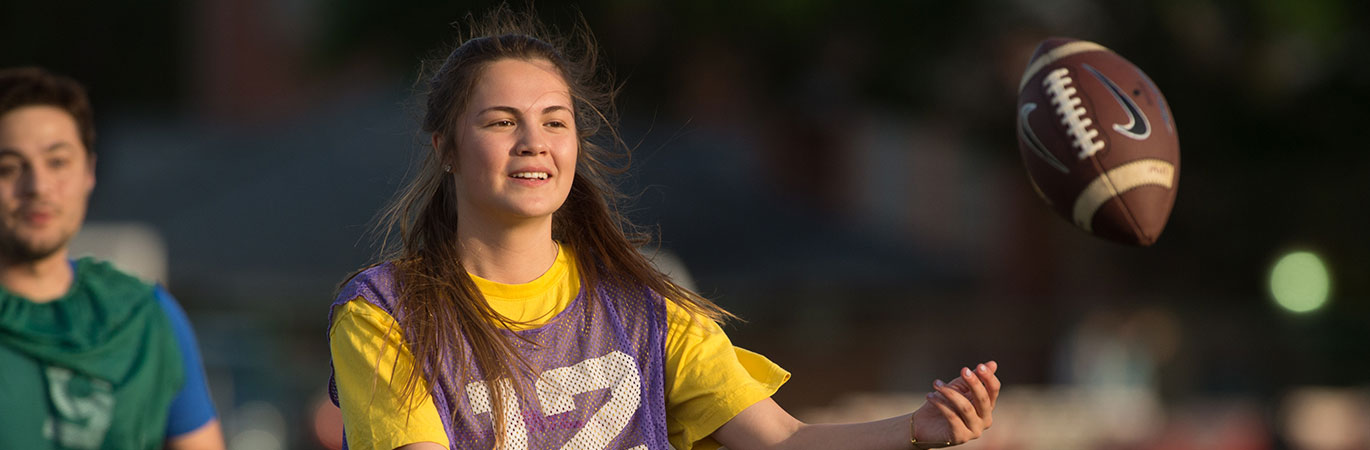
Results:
<point x="913" y="439"/>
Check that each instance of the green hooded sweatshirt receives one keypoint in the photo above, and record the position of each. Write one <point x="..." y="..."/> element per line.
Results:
<point x="94" y="369"/>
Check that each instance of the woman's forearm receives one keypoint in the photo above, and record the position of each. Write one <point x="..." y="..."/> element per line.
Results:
<point x="765" y="426"/>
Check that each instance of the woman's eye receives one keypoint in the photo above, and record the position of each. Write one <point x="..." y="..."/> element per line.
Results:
<point x="502" y="123"/>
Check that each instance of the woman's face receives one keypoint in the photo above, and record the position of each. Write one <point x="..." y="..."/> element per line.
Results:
<point x="515" y="144"/>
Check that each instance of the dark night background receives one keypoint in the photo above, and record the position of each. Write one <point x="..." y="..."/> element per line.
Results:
<point x="843" y="175"/>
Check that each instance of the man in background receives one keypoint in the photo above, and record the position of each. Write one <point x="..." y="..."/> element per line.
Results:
<point x="90" y="357"/>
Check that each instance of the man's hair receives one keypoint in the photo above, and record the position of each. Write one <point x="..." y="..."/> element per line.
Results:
<point x="33" y="86"/>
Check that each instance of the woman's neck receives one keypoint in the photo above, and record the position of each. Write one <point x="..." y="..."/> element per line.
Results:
<point x="510" y="255"/>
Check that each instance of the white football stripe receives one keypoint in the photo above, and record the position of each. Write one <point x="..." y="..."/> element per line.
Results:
<point x="1120" y="179"/>
<point x="1055" y="54"/>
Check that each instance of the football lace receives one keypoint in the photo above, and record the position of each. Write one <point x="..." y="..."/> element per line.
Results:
<point x="1068" y="107"/>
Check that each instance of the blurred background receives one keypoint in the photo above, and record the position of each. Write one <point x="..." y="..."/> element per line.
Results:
<point x="843" y="175"/>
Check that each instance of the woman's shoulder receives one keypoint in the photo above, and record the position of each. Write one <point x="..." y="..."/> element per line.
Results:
<point x="375" y="285"/>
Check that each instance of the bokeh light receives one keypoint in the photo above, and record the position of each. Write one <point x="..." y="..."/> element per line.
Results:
<point x="1299" y="282"/>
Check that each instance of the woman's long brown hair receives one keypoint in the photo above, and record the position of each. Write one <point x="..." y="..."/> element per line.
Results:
<point x="440" y="311"/>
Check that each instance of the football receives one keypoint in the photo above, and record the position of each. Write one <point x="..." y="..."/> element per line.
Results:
<point x="1098" y="141"/>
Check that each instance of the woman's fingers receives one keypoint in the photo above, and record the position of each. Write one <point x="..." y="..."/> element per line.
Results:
<point x="979" y="394"/>
<point x="963" y="407"/>
<point x="990" y="367"/>
<point x="967" y="402"/>
<point x="956" y="428"/>
<point x="990" y="381"/>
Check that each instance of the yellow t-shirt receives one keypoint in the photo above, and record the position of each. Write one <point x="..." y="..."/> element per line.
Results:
<point x="707" y="380"/>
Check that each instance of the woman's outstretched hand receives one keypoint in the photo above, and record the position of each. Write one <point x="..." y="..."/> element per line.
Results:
<point x="958" y="411"/>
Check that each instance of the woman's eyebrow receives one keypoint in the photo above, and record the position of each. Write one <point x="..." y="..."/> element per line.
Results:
<point x="516" y="111"/>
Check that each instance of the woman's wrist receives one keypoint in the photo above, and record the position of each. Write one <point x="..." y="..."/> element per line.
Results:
<point x="922" y="445"/>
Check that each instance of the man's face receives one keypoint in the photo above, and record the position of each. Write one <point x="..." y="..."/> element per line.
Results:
<point x="46" y="176"/>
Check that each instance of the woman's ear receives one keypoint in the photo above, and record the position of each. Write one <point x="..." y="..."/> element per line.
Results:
<point x="445" y="157"/>
<point x="437" y="142"/>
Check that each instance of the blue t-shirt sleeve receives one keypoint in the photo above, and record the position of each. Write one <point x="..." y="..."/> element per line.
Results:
<point x="192" y="407"/>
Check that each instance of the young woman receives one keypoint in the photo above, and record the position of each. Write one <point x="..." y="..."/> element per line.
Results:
<point x="516" y="313"/>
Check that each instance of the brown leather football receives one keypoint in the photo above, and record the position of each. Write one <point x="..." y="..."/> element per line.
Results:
<point x="1098" y="141"/>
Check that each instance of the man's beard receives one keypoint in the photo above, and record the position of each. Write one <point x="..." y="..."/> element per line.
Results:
<point x="15" y="250"/>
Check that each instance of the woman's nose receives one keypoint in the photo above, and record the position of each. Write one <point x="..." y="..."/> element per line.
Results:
<point x="532" y="143"/>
